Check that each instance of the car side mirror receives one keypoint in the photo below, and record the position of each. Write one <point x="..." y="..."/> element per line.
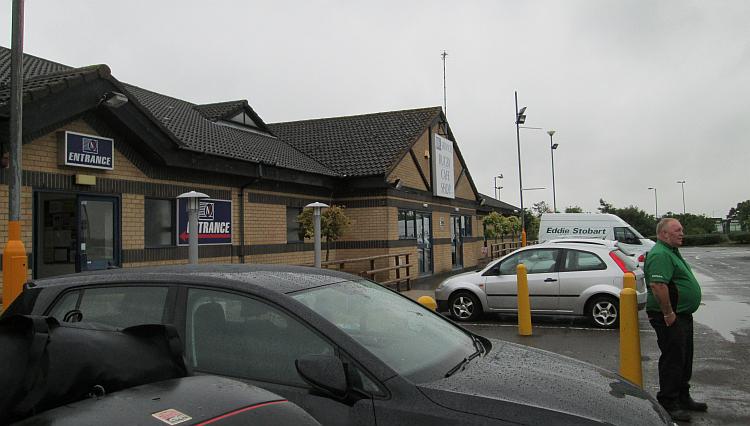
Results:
<point x="323" y="372"/>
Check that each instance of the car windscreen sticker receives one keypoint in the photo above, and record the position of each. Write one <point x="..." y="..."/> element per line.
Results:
<point x="172" y="416"/>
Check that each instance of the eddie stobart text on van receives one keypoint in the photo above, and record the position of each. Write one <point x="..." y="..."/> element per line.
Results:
<point x="576" y="231"/>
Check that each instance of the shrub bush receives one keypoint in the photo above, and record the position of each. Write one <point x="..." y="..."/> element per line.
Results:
<point x="703" y="239"/>
<point x="740" y="237"/>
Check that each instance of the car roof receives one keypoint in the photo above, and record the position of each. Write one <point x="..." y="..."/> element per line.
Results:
<point x="586" y="241"/>
<point x="277" y="278"/>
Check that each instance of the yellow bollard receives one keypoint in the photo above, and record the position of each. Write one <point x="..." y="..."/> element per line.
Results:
<point x="628" y="280"/>
<point x="428" y="302"/>
<point x="524" y="306"/>
<point x="630" y="338"/>
<point x="14" y="264"/>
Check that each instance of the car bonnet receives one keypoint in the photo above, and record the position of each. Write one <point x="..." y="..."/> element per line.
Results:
<point x="521" y="384"/>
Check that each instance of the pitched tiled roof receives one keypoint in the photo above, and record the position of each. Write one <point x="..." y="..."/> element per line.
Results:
<point x="39" y="86"/>
<point x="197" y="133"/>
<point x="220" y="110"/>
<point x="360" y="145"/>
<point x="32" y="66"/>
<point x="188" y="123"/>
<point x="491" y="203"/>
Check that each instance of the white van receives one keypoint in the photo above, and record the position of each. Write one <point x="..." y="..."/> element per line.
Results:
<point x="594" y="225"/>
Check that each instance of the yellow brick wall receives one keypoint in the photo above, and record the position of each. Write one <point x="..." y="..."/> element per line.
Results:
<point x="266" y="223"/>
<point x="369" y="223"/>
<point x="132" y="221"/>
<point x="407" y="172"/>
<point x="463" y="189"/>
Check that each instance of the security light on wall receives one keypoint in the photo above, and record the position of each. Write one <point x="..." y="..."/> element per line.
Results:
<point x="114" y="99"/>
<point x="397" y="184"/>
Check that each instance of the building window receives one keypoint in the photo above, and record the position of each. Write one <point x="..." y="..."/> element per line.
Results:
<point x="294" y="233"/>
<point x="160" y="222"/>
<point x="407" y="224"/>
<point x="466" y="226"/>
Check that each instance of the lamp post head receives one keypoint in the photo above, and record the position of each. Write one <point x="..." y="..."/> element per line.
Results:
<point x="651" y="187"/>
<point x="521" y="116"/>
<point x="550" y="132"/>
<point x="681" y="181"/>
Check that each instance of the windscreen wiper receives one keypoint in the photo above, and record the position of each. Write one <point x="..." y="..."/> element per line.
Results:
<point x="466" y="360"/>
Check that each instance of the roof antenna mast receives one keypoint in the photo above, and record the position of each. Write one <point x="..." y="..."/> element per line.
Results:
<point x="445" y="103"/>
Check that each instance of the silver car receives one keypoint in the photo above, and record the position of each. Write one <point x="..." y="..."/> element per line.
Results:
<point x="569" y="278"/>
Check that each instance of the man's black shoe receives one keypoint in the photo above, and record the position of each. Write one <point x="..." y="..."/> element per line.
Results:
<point x="693" y="405"/>
<point x="677" y="413"/>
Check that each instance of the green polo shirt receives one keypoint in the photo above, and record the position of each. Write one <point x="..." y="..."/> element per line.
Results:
<point x="664" y="264"/>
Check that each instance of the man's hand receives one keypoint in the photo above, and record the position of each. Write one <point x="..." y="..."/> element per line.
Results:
<point x="661" y="293"/>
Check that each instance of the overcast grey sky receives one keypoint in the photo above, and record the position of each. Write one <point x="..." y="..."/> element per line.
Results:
<point x="642" y="93"/>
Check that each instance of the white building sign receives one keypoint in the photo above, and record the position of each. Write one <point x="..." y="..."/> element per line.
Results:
<point x="443" y="184"/>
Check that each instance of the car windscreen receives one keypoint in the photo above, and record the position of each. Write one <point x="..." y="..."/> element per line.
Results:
<point x="415" y="342"/>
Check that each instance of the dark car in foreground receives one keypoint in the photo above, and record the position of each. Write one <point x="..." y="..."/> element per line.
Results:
<point x="198" y="400"/>
<point x="346" y="350"/>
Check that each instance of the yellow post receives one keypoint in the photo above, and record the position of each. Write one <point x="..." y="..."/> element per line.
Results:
<point x="14" y="264"/>
<point x="524" y="306"/>
<point x="630" y="338"/>
<point x="628" y="280"/>
<point x="428" y="302"/>
<point x="523" y="238"/>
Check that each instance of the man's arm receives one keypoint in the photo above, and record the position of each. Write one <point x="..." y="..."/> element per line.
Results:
<point x="661" y="293"/>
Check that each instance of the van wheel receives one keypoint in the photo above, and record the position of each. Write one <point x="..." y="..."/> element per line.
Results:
<point x="604" y="311"/>
<point x="465" y="306"/>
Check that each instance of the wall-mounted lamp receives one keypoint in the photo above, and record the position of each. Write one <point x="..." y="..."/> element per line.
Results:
<point x="397" y="184"/>
<point x="425" y="205"/>
<point x="455" y="209"/>
<point x="482" y="202"/>
<point x="113" y="99"/>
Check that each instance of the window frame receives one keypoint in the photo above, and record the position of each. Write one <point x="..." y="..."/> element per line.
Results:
<point x="298" y="227"/>
<point x="173" y="223"/>
<point x="564" y="265"/>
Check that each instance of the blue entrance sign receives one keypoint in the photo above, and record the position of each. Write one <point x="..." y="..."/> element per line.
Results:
<point x="214" y="222"/>
<point x="80" y="150"/>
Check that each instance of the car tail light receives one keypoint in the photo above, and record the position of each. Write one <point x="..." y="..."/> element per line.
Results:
<point x="642" y="258"/>
<point x="619" y="262"/>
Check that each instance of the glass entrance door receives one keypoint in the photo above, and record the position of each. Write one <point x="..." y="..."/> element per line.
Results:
<point x="457" y="244"/>
<point x="98" y="233"/>
<point x="424" y="243"/>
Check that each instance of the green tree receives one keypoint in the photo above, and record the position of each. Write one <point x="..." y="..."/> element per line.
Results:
<point x="333" y="224"/>
<point x="514" y="226"/>
<point x="540" y="208"/>
<point x="573" y="209"/>
<point x="495" y="225"/>
<point x="694" y="224"/>
<point x="741" y="213"/>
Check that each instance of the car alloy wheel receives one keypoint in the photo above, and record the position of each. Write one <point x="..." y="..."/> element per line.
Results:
<point x="604" y="312"/>
<point x="465" y="306"/>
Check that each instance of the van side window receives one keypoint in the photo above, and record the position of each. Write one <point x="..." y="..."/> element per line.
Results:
<point x="625" y="235"/>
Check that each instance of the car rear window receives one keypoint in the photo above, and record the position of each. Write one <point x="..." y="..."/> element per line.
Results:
<point x="631" y="263"/>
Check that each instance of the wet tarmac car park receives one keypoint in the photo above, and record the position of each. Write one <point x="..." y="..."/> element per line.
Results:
<point x="721" y="375"/>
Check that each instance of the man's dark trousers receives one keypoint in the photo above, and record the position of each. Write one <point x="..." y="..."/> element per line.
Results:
<point x="676" y="360"/>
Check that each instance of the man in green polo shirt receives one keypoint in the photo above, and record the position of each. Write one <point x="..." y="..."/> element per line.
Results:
<point x="673" y="295"/>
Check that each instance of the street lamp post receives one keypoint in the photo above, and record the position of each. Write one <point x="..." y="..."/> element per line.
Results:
<point x="497" y="188"/>
<point x="520" y="119"/>
<point x="656" y="202"/>
<point x="552" y="148"/>
<point x="682" y="183"/>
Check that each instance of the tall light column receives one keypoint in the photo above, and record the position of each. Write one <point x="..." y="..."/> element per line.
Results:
<point x="656" y="202"/>
<point x="682" y="183"/>
<point x="552" y="148"/>
<point x="520" y="119"/>
<point x="497" y="188"/>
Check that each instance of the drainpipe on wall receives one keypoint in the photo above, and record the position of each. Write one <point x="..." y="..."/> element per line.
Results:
<point x="242" y="211"/>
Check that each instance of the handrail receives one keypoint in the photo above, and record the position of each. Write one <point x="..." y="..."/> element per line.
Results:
<point x="401" y="268"/>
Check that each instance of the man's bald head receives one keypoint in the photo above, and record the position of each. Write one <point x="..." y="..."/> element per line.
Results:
<point x="669" y="230"/>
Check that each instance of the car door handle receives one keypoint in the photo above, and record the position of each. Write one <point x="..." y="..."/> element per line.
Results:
<point x="550" y="280"/>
